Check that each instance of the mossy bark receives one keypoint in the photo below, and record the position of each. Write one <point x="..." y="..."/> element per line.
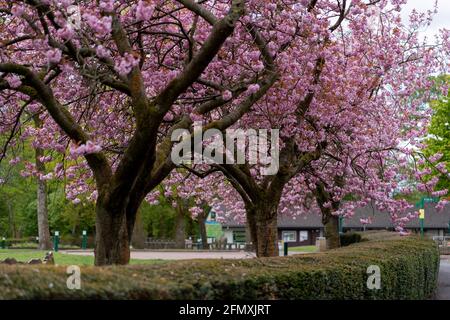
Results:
<point x="112" y="243"/>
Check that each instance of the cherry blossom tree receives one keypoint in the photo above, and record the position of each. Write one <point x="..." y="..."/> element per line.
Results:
<point x="111" y="80"/>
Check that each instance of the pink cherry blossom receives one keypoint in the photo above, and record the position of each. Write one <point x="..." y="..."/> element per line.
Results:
<point x="54" y="56"/>
<point x="227" y="95"/>
<point x="253" y="88"/>
<point x="144" y="11"/>
<point x="14" y="81"/>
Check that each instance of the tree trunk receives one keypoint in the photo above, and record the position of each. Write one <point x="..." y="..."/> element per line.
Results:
<point x="267" y="236"/>
<point x="262" y="224"/>
<point x="42" y="215"/>
<point x="251" y="225"/>
<point x="12" y="221"/>
<point x="112" y="244"/>
<point x="331" y="226"/>
<point x="42" y="209"/>
<point x="180" y="227"/>
<point x="329" y="220"/>
<point x="201" y="220"/>
<point x="202" y="228"/>
<point x="138" y="235"/>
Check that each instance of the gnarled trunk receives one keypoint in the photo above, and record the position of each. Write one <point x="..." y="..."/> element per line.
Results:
<point x="112" y="243"/>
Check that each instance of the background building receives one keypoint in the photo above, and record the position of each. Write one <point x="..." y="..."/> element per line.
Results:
<point x="304" y="229"/>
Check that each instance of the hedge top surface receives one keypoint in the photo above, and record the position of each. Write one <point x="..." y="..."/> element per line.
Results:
<point x="337" y="274"/>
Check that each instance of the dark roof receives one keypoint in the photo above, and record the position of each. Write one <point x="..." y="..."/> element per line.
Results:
<point x="382" y="220"/>
<point x="313" y="220"/>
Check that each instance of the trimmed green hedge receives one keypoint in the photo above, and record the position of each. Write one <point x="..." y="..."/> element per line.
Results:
<point x="409" y="268"/>
<point x="350" y="238"/>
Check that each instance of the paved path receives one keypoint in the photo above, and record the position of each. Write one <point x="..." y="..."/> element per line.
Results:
<point x="443" y="292"/>
<point x="177" y="255"/>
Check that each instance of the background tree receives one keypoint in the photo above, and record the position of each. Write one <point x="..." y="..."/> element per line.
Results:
<point x="438" y="139"/>
<point x="42" y="202"/>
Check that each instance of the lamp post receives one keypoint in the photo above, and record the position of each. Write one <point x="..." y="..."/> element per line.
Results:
<point x="3" y="243"/>
<point x="341" y="224"/>
<point x="56" y="241"/>
<point x="84" y="242"/>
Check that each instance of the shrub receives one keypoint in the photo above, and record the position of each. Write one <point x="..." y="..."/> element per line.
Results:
<point x="350" y="238"/>
<point x="409" y="269"/>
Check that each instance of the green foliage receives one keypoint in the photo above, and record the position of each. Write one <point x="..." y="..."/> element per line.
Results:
<point x="439" y="133"/>
<point x="18" y="203"/>
<point x="349" y="238"/>
<point x="17" y="199"/>
<point x="69" y="218"/>
<point x="409" y="268"/>
<point x="158" y="220"/>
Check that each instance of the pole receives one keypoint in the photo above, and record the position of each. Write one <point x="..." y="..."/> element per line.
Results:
<point x="286" y="248"/>
<point x="56" y="241"/>
<point x="3" y="243"/>
<point x="84" y="242"/>
<point x="421" y="220"/>
<point x="341" y="224"/>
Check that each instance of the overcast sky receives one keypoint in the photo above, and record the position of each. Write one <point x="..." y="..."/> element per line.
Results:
<point x="440" y="21"/>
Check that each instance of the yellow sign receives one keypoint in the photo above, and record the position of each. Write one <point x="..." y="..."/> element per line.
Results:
<point x="421" y="213"/>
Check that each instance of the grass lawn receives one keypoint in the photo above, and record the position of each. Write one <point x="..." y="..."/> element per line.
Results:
<point x="303" y="249"/>
<point x="60" y="258"/>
